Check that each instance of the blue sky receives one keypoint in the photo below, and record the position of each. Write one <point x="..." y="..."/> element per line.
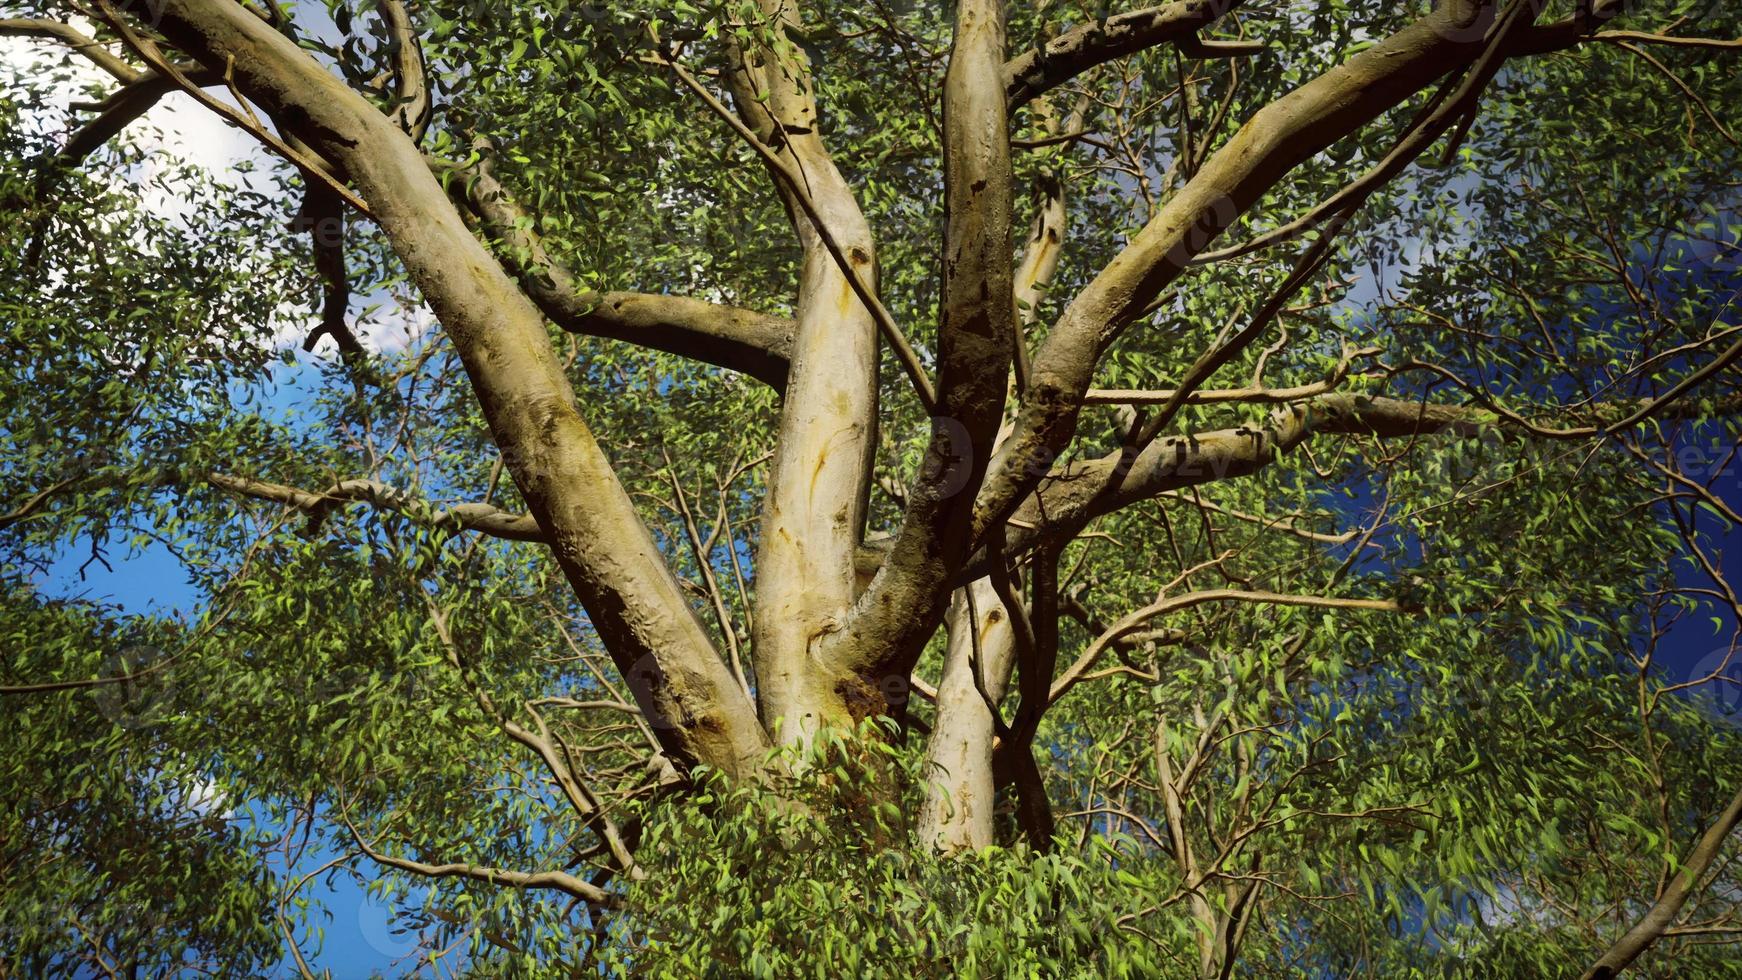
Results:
<point x="357" y="941"/>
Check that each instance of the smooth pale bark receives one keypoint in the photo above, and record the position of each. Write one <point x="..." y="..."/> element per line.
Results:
<point x="814" y="511"/>
<point x="1275" y="140"/>
<point x="957" y="814"/>
<point x="756" y="344"/>
<point x="632" y="597"/>
<point x="1071" y="496"/>
<point x="904" y="604"/>
<point x="1074" y="495"/>
<point x="976" y="345"/>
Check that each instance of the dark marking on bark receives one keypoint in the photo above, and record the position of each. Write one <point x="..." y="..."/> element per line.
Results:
<point x="863" y="697"/>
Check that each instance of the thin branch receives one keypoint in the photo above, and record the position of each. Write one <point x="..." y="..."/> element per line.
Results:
<point x="484" y="518"/>
<point x="76" y="39"/>
<point x="1256" y="394"/>
<point x="1686" y="90"/>
<point x="1440" y="114"/>
<point x="559" y="880"/>
<point x="1136" y="619"/>
<point x="1639" y="37"/>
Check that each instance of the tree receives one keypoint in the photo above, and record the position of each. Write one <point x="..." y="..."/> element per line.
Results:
<point x="1201" y="489"/>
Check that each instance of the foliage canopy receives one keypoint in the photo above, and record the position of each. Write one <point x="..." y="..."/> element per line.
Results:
<point x="876" y="488"/>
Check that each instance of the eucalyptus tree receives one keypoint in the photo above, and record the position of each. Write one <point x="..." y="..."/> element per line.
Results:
<point x="1199" y="489"/>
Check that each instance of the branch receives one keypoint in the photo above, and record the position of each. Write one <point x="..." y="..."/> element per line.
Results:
<point x="819" y="477"/>
<point x="1252" y="395"/>
<point x="1081" y="48"/>
<point x="795" y="183"/>
<point x="1439" y="116"/>
<point x="977" y="338"/>
<point x="1039" y="261"/>
<point x="1573" y="31"/>
<point x="1686" y="90"/>
<point x="49" y="687"/>
<point x="76" y="39"/>
<point x="1276" y="139"/>
<point x="1639" y="37"/>
<point x="313" y="169"/>
<point x="34" y="503"/>
<point x="560" y="880"/>
<point x="1636" y="411"/>
<point x="1068" y="498"/>
<point x="322" y="218"/>
<point x="411" y="87"/>
<point x="598" y="539"/>
<point x="1280" y="523"/>
<point x="125" y="105"/>
<point x="1652" y="925"/>
<point x="737" y="339"/>
<point x="1161" y="607"/>
<point x="483" y="518"/>
<point x="580" y="798"/>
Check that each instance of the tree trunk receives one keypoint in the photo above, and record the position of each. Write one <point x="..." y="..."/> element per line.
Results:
<point x="958" y="809"/>
<point x="814" y="511"/>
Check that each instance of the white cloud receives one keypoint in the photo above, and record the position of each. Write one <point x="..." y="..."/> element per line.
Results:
<point x="179" y="132"/>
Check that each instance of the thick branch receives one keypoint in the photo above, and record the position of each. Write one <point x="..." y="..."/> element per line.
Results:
<point x="737" y="339"/>
<point x="410" y="85"/>
<point x="960" y="803"/>
<point x="1064" y="503"/>
<point x="1266" y="148"/>
<point x="598" y="539"/>
<point x="976" y="344"/>
<point x="818" y="480"/>
<point x="122" y="107"/>
<point x="1081" y="48"/>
